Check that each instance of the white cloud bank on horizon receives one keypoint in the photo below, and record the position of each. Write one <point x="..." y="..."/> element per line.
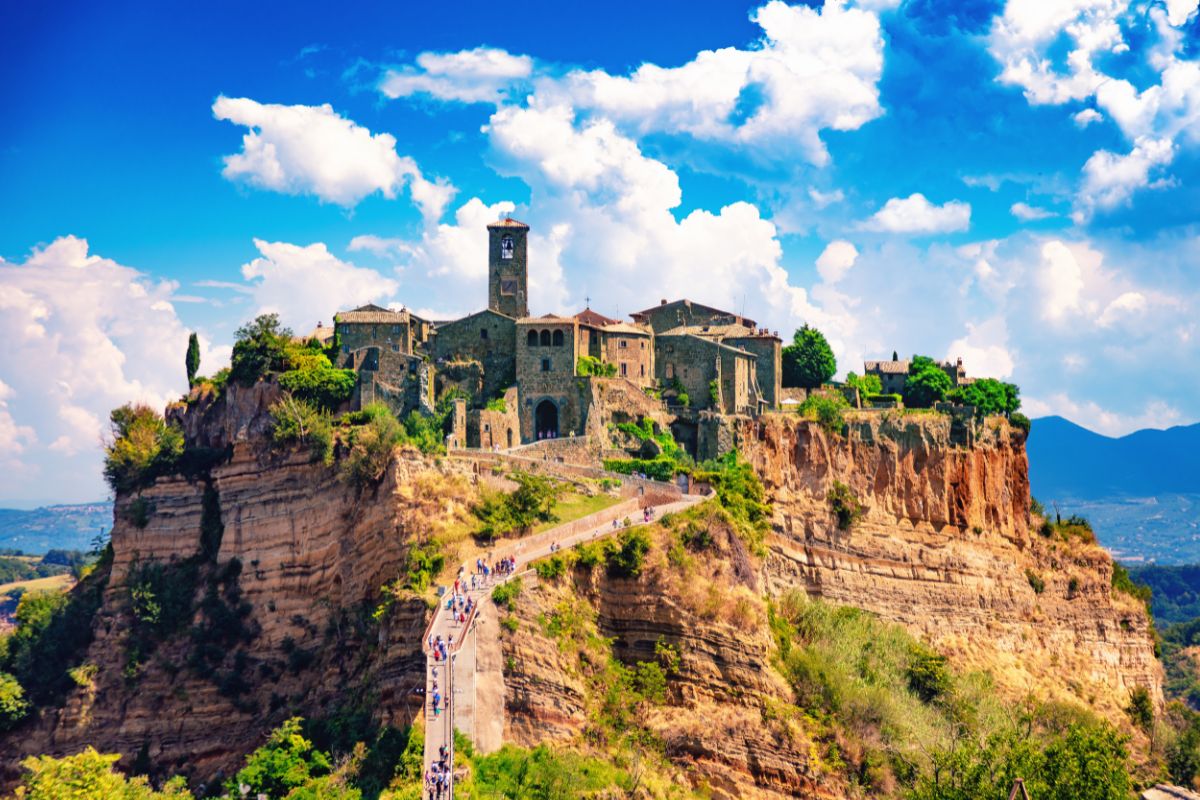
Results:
<point x="83" y="335"/>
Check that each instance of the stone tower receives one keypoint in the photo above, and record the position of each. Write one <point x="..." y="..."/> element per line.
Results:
<point x="508" y="269"/>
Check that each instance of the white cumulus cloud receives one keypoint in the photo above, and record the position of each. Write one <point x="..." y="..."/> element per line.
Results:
<point x="1028" y="213"/>
<point x="1110" y="179"/>
<point x="836" y="260"/>
<point x="314" y="150"/>
<point x="481" y="75"/>
<point x="915" y="214"/>
<point x="307" y="284"/>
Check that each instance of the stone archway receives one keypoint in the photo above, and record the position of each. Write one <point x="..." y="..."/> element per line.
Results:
<point x="545" y="420"/>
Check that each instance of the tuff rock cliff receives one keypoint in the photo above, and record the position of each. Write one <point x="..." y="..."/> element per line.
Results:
<point x="289" y="566"/>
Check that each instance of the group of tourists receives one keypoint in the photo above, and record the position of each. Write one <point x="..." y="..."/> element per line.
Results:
<point x="459" y="605"/>
<point x="485" y="572"/>
<point x="440" y="647"/>
<point x="438" y="777"/>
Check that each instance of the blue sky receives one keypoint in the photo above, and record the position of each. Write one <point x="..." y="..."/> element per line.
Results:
<point x="1010" y="182"/>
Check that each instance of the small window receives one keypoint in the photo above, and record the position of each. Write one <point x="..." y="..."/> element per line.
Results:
<point x="395" y="329"/>
<point x="670" y="348"/>
<point x="345" y="349"/>
<point x="395" y="347"/>
<point x="544" y="339"/>
<point x="545" y="365"/>
<point x="506" y="247"/>
<point x="558" y="338"/>
<point x="412" y="366"/>
<point x="508" y="288"/>
<point x="670" y="371"/>
<point x="643" y="345"/>
<point x="531" y="340"/>
<point x="643" y="370"/>
<point x="624" y="343"/>
<point x="486" y="427"/>
<point x="623" y="369"/>
<point x="483" y="333"/>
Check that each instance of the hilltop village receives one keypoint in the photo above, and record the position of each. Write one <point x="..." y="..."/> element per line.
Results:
<point x="522" y="379"/>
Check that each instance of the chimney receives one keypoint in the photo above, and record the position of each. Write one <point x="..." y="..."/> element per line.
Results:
<point x="662" y="302"/>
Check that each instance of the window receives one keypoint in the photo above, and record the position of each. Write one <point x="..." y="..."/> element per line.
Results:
<point x="544" y="340"/>
<point x="643" y="370"/>
<point x="508" y="287"/>
<point x="643" y="345"/>
<point x="622" y="369"/>
<point x="670" y="348"/>
<point x="345" y="349"/>
<point x="483" y="333"/>
<point x="545" y="365"/>
<point x="531" y="339"/>
<point x="395" y="347"/>
<point x="395" y="329"/>
<point x="558" y="338"/>
<point x="670" y="371"/>
<point x="506" y="247"/>
<point x="623" y="344"/>
<point x="487" y="428"/>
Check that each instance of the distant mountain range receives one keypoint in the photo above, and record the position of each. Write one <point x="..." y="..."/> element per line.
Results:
<point x="69" y="527"/>
<point x="1141" y="491"/>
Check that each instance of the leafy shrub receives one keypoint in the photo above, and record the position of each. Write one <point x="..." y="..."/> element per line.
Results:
<point x="260" y="347"/>
<point x="928" y="677"/>
<point x="143" y="448"/>
<point x="13" y="705"/>
<point x="867" y="385"/>
<point x="658" y="469"/>
<point x="1121" y="582"/>
<point x="370" y="446"/>
<point x="827" y="408"/>
<point x="506" y="594"/>
<point x="625" y="558"/>
<point x="741" y="494"/>
<point x="426" y="432"/>
<point x="497" y="404"/>
<point x="53" y="631"/>
<point x="138" y="512"/>
<point x="590" y="554"/>
<point x="714" y="392"/>
<point x="1035" y="581"/>
<point x="323" y="386"/>
<point x="88" y="775"/>
<point x="296" y="421"/>
<point x="1020" y="422"/>
<point x="162" y="601"/>
<point x="552" y="568"/>
<point x="844" y="504"/>
<point x="288" y="761"/>
<point x="988" y="395"/>
<point x="1141" y="708"/>
<point x="424" y="564"/>
<point x="532" y="502"/>
<point x="589" y="365"/>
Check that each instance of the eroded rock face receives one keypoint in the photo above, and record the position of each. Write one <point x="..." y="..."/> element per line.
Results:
<point x="314" y="555"/>
<point x="945" y="548"/>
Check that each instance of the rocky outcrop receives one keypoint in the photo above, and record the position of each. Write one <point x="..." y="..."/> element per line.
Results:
<point x="288" y="565"/>
<point x="945" y="548"/>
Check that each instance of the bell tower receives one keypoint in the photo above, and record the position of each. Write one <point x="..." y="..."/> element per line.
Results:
<point x="508" y="269"/>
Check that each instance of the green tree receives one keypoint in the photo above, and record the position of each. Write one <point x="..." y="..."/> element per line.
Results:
<point x="808" y="361"/>
<point x="371" y="445"/>
<point x="192" y="360"/>
<point x="89" y="775"/>
<point x="144" y="447"/>
<point x="260" y="347"/>
<point x="13" y="705"/>
<point x="286" y="762"/>
<point x="926" y="383"/>
<point x="989" y="396"/>
<point x="827" y="409"/>
<point x="866" y="384"/>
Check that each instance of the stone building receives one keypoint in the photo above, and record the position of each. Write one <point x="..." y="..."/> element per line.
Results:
<point x="893" y="373"/>
<point x="518" y="376"/>
<point x="547" y="350"/>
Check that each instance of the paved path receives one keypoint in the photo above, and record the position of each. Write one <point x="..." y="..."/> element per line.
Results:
<point x="454" y="678"/>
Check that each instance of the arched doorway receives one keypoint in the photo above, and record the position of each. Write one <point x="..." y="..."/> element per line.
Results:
<point x="546" y="420"/>
<point x="510" y="438"/>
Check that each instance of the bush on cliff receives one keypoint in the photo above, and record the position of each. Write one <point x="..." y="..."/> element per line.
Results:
<point x="321" y="384"/>
<point x="827" y="409"/>
<point x="288" y="761"/>
<point x="299" y="422"/>
<point x="844" y="504"/>
<point x="926" y="383"/>
<point x="143" y="447"/>
<point x="532" y="502"/>
<point x="741" y="494"/>
<point x="13" y="705"/>
<point x="989" y="396"/>
<point x="370" y="445"/>
<point x="260" y="347"/>
<point x="89" y="775"/>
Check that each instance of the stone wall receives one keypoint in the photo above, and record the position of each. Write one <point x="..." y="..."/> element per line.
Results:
<point x="356" y="335"/>
<point x="768" y="364"/>
<point x="486" y="338"/>
<point x="547" y="373"/>
<point x="488" y="430"/>
<point x="691" y="360"/>
<point x="632" y="354"/>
